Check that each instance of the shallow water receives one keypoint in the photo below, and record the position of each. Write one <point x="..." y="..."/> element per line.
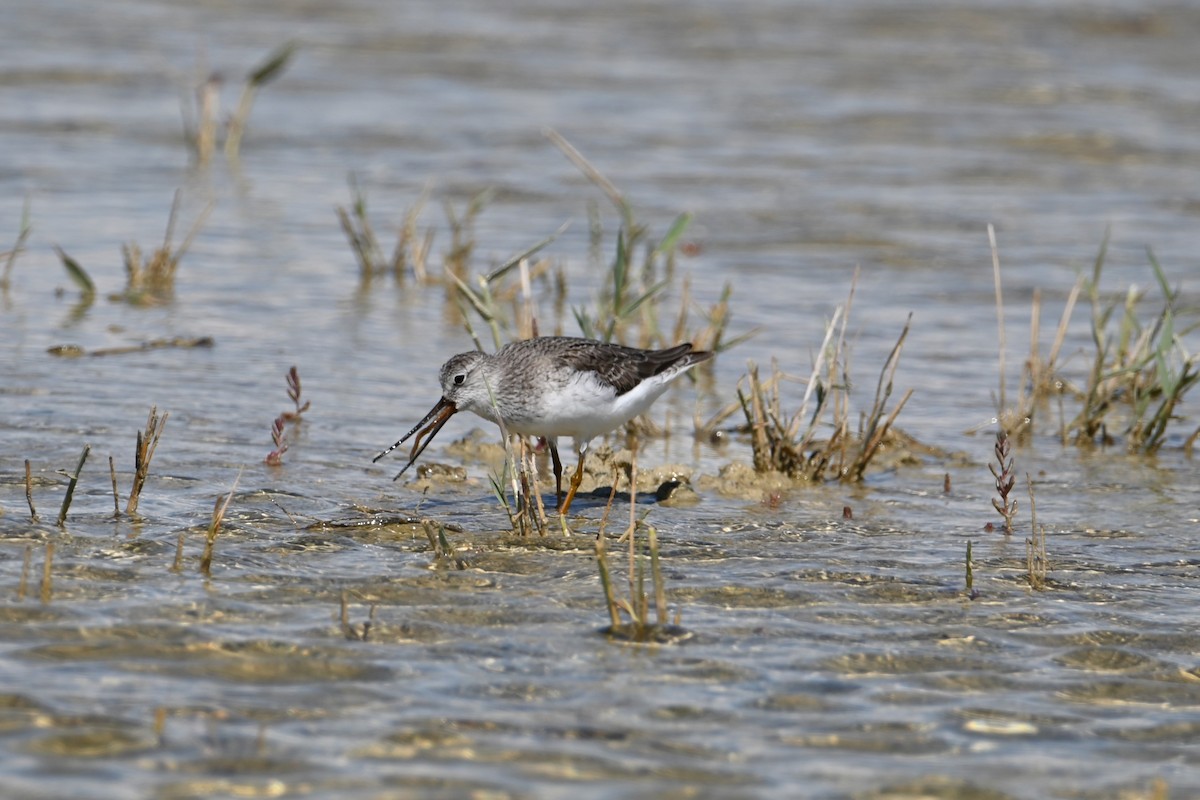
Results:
<point x="829" y="657"/>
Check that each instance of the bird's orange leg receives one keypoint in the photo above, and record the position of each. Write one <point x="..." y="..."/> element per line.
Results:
<point x="576" y="479"/>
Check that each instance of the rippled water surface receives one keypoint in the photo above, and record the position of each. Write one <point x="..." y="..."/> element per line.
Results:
<point x="828" y="656"/>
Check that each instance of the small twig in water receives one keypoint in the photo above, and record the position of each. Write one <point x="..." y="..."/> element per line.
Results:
<point x="112" y="471"/>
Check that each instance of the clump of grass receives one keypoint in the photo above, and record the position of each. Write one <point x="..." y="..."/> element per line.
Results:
<point x="150" y="280"/>
<point x="645" y="611"/>
<point x="71" y="483"/>
<point x="147" y="443"/>
<point x="1037" y="563"/>
<point x="411" y="252"/>
<point x="1002" y="471"/>
<point x="1140" y="368"/>
<point x="10" y="256"/>
<point x="818" y="442"/>
<point x="630" y="308"/>
<point x="201" y="125"/>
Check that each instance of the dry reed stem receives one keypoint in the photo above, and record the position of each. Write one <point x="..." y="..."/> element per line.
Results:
<point x="883" y="390"/>
<point x="589" y="171"/>
<point x="610" y="600"/>
<point x="218" y="516"/>
<point x="112" y="472"/>
<point x="147" y="443"/>
<point x="819" y="365"/>
<point x="33" y="516"/>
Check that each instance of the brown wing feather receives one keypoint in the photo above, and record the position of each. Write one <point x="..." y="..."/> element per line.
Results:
<point x="625" y="367"/>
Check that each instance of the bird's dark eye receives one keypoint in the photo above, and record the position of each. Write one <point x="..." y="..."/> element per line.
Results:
<point x="459" y="378"/>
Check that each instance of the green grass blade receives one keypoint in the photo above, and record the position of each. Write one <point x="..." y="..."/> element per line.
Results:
<point x="671" y="239"/>
<point x="274" y="64"/>
<point x="77" y="273"/>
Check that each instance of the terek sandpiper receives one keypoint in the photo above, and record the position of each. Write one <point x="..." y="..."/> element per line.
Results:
<point x="553" y="386"/>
